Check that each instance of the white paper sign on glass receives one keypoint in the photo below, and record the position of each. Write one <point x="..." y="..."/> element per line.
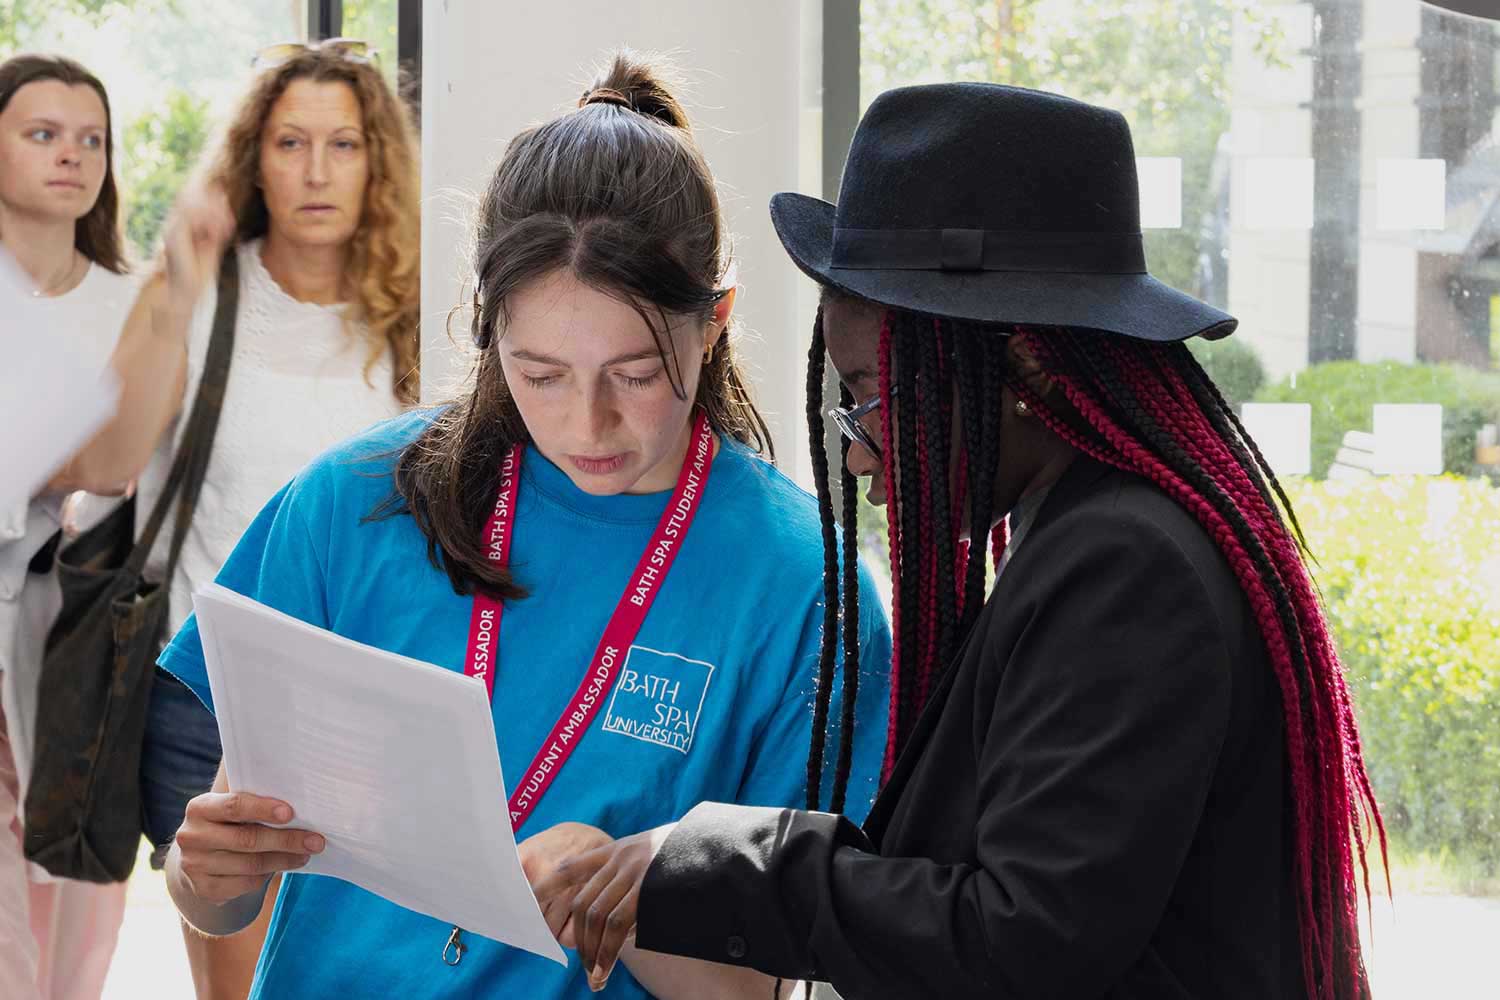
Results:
<point x="1160" y="179"/>
<point x="1411" y="194"/>
<point x="53" y="394"/>
<point x="1276" y="193"/>
<point x="393" y="760"/>
<point x="1284" y="433"/>
<point x="1408" y="439"/>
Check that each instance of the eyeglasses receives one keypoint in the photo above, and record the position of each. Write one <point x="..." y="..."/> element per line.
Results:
<point x="850" y="422"/>
<point x="352" y="49"/>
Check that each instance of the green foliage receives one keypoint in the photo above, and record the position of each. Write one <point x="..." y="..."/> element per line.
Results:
<point x="19" y="19"/>
<point x="159" y="150"/>
<point x="1343" y="392"/>
<point x="1411" y="576"/>
<point x="1163" y="63"/>
<point x="1233" y="365"/>
<point x="374" y="21"/>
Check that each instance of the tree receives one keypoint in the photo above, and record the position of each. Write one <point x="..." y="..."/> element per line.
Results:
<point x="160" y="149"/>
<point x="1163" y="63"/>
<point x="20" y="19"/>
<point x="374" y="21"/>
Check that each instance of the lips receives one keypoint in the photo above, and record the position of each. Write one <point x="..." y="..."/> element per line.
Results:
<point x="70" y="185"/>
<point x="597" y="466"/>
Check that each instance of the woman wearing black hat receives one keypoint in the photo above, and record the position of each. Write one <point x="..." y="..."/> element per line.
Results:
<point x="1140" y="776"/>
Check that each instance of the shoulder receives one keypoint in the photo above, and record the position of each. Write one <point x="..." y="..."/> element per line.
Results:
<point x="358" y="471"/>
<point x="105" y="284"/>
<point x="1119" y="534"/>
<point x="773" y="522"/>
<point x="767" y="508"/>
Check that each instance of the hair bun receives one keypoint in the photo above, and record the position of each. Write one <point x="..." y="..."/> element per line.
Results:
<point x="604" y="95"/>
<point x="630" y="82"/>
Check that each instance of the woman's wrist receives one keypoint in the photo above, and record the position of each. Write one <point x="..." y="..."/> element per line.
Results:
<point x="207" y="916"/>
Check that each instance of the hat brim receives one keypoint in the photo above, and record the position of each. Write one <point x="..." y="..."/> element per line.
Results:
<point x="1131" y="305"/>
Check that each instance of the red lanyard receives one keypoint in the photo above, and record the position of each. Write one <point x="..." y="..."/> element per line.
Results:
<point x="624" y="625"/>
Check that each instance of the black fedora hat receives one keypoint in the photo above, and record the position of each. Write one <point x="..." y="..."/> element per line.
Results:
<point x="995" y="204"/>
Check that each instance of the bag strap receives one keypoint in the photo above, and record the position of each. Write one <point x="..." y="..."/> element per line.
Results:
<point x="196" y="445"/>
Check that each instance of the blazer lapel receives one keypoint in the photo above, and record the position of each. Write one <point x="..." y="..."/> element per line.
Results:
<point x="1083" y="472"/>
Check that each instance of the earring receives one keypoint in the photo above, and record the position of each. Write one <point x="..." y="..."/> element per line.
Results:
<point x="708" y="353"/>
<point x="1022" y="408"/>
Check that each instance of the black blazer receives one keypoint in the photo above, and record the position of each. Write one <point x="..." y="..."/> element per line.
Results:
<point x="1093" y="804"/>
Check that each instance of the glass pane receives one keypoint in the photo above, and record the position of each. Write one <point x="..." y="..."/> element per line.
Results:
<point x="374" y="21"/>
<point x="173" y="70"/>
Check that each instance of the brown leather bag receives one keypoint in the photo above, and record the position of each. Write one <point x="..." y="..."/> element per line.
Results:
<point x="83" y="803"/>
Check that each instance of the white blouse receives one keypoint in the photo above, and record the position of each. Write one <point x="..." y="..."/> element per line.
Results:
<point x="297" y="386"/>
<point x="92" y="314"/>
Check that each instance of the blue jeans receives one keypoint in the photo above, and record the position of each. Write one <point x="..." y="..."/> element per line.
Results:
<point x="179" y="759"/>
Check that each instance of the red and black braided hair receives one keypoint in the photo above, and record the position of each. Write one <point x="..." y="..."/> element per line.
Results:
<point x="1150" y="410"/>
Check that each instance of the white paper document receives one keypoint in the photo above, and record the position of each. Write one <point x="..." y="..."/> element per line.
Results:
<point x="53" y="395"/>
<point x="391" y="759"/>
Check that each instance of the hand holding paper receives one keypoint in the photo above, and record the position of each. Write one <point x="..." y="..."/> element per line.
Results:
<point x="392" y="760"/>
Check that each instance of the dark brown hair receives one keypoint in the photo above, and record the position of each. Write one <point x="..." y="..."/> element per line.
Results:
<point x="618" y="193"/>
<point x="97" y="234"/>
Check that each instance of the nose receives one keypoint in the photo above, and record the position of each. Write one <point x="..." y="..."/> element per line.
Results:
<point x="317" y="166"/>
<point x="860" y="461"/>
<point x="595" y="415"/>
<point x="70" y="155"/>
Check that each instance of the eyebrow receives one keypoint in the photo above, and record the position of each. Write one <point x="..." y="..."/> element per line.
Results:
<point x="623" y="359"/>
<point x="302" y="128"/>
<point x="59" y="126"/>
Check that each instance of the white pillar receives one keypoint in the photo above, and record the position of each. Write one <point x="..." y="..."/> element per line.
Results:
<point x="1270" y="268"/>
<point x="490" y="69"/>
<point x="1391" y="128"/>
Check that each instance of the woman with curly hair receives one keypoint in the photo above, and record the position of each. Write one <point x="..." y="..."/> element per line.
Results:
<point x="314" y="188"/>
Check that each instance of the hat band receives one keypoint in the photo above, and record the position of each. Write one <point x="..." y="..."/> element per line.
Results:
<point x="988" y="250"/>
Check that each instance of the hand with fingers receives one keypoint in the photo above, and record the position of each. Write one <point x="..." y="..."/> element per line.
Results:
<point x="540" y="855"/>
<point x="226" y="849"/>
<point x="200" y="228"/>
<point x="604" y="885"/>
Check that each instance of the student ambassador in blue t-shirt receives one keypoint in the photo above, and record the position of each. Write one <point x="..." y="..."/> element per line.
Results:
<point x="604" y="466"/>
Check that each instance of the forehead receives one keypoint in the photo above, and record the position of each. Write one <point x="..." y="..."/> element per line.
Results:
<point x="562" y="317"/>
<point x="851" y="331"/>
<point x="75" y="105"/>
<point x="316" y="104"/>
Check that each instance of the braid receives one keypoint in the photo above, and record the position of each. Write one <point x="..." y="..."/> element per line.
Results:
<point x="826" y="650"/>
<point x="893" y="532"/>
<point x="1149" y="410"/>
<point x="851" y="620"/>
<point x="1220" y="412"/>
<point x="945" y="535"/>
<point x="1095" y="410"/>
<point x="909" y="513"/>
<point x="926" y="583"/>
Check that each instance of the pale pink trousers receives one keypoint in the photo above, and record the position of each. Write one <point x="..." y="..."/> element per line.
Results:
<point x="56" y="937"/>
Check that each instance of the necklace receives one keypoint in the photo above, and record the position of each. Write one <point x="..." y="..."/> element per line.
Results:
<point x="56" y="286"/>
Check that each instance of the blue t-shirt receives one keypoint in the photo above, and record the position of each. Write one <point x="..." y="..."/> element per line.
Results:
<point x="735" y="629"/>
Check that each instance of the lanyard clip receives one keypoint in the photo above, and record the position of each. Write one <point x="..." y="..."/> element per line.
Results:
<point x="455" y="945"/>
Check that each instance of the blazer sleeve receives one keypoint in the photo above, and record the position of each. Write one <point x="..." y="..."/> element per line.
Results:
<point x="1093" y="768"/>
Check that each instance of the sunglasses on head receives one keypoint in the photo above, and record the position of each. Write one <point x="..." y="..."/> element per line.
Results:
<point x="352" y="49"/>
